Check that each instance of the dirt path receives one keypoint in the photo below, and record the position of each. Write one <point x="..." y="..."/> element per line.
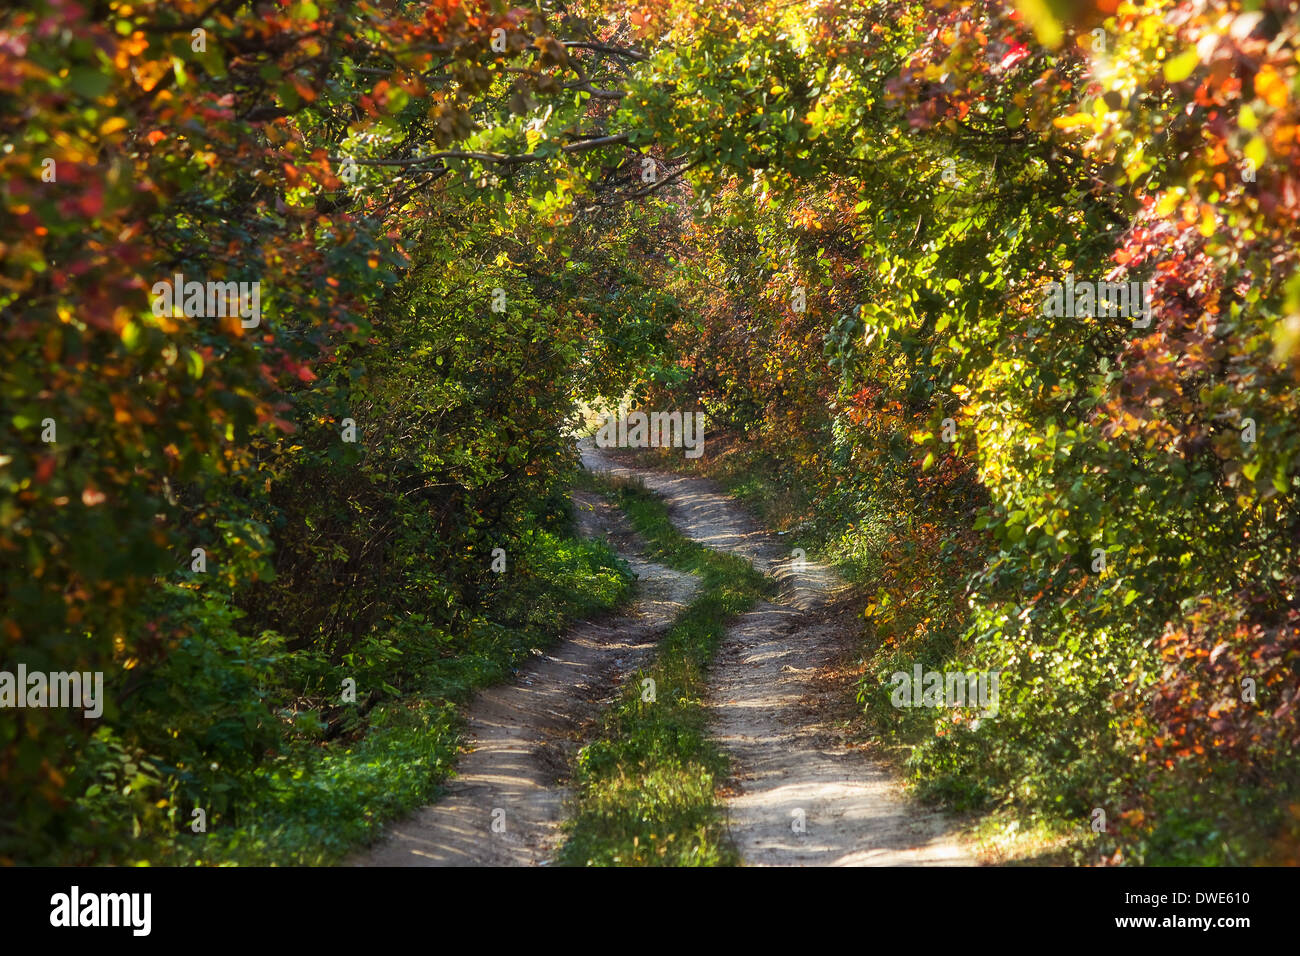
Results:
<point x="521" y="737"/>
<point x="801" y="795"/>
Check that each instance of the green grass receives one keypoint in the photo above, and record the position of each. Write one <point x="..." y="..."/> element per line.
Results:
<point x="314" y="802"/>
<point x="647" y="786"/>
<point x="315" y="806"/>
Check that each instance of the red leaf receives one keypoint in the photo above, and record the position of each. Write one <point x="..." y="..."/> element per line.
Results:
<point x="1015" y="53"/>
<point x="45" y="469"/>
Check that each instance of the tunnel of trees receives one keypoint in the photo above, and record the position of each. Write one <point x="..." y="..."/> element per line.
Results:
<point x="1004" y="293"/>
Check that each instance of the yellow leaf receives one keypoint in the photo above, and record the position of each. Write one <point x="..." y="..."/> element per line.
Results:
<point x="1207" y="221"/>
<point x="1039" y="15"/>
<point x="1182" y="66"/>
<point x="1270" y="87"/>
<point x="1072" y="122"/>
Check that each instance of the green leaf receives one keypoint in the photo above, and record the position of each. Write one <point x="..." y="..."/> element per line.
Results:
<point x="88" y="82"/>
<point x="1181" y="66"/>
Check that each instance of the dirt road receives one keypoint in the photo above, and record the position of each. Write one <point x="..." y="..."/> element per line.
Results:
<point x="521" y="737"/>
<point x="802" y="796"/>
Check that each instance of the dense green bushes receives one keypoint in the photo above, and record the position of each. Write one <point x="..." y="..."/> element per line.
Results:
<point x="1102" y="507"/>
<point x="260" y="740"/>
<point x="880" y="197"/>
<point x="239" y="512"/>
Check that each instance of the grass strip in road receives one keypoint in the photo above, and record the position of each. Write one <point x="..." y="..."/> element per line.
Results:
<point x="647" y="785"/>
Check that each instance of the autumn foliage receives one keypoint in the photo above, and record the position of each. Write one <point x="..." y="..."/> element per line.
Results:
<point x="1104" y="510"/>
<point x="1111" y="518"/>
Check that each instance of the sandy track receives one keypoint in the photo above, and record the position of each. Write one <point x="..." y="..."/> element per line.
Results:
<point x="521" y="737"/>
<point x="801" y="795"/>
